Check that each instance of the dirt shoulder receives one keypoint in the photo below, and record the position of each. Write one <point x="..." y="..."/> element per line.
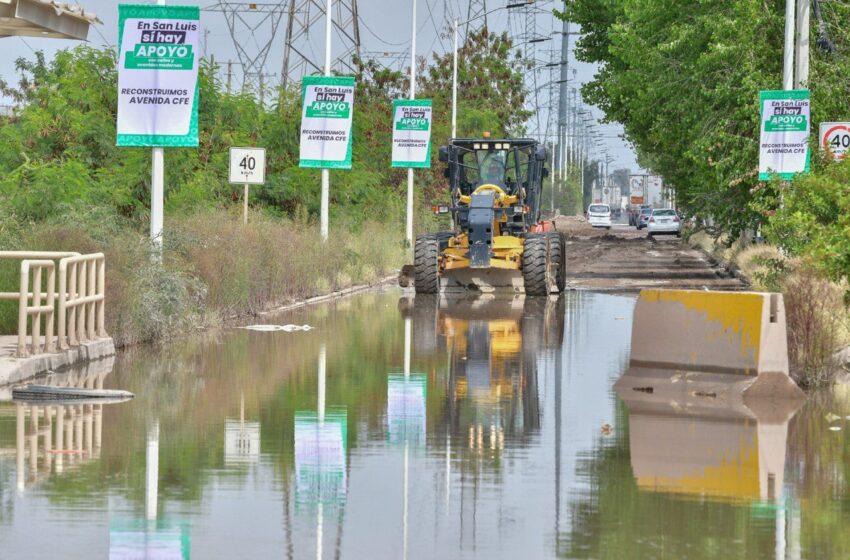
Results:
<point x="623" y="259"/>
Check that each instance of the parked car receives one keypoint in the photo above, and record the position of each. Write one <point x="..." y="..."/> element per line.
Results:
<point x="643" y="217"/>
<point x="599" y="215"/>
<point x="665" y="221"/>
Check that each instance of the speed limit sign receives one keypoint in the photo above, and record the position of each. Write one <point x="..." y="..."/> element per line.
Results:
<point x="835" y="138"/>
<point x="248" y="166"/>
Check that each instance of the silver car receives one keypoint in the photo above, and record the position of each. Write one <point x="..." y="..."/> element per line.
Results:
<point x="664" y="221"/>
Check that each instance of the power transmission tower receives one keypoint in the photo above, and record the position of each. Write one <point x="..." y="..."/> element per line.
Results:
<point x="303" y="50"/>
<point x="252" y="28"/>
<point x="391" y="60"/>
<point x="524" y="30"/>
<point x="477" y="10"/>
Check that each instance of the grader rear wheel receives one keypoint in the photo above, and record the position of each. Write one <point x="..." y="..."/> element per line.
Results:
<point x="558" y="259"/>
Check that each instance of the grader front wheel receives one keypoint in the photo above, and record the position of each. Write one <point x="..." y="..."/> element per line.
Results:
<point x="426" y="264"/>
<point x="536" y="272"/>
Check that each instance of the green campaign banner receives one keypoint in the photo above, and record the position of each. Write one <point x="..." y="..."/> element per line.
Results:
<point x="785" y="124"/>
<point x="326" y="117"/>
<point x="158" y="75"/>
<point x="411" y="133"/>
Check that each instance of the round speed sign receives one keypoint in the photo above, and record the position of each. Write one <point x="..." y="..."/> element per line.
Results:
<point x="835" y="138"/>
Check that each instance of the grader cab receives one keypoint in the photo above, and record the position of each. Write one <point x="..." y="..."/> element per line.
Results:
<point x="498" y="240"/>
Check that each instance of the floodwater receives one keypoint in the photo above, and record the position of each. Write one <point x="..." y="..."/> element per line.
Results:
<point x="495" y="433"/>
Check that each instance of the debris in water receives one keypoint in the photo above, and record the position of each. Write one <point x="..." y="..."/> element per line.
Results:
<point x="835" y="428"/>
<point x="54" y="393"/>
<point x="832" y="417"/>
<point x="278" y="328"/>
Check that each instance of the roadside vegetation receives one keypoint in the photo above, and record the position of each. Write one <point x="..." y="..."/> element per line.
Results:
<point x="684" y="79"/>
<point x="64" y="185"/>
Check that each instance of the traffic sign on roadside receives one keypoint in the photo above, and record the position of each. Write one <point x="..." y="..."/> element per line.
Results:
<point x="248" y="166"/>
<point x="835" y="138"/>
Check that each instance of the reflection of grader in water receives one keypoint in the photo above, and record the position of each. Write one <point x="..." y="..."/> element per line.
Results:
<point x="54" y="436"/>
<point x="708" y="447"/>
<point x="492" y="346"/>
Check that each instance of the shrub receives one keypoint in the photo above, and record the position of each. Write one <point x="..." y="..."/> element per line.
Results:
<point x="214" y="267"/>
<point x="817" y="326"/>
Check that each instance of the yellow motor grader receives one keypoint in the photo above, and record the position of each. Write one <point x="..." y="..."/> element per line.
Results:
<point x="498" y="240"/>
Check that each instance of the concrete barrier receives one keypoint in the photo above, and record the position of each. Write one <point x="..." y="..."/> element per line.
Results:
<point x="718" y="344"/>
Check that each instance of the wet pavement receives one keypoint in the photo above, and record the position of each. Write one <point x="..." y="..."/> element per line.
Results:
<point x="495" y="433"/>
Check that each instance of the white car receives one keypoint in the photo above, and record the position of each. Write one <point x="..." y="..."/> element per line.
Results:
<point x="664" y="221"/>
<point x="599" y="215"/>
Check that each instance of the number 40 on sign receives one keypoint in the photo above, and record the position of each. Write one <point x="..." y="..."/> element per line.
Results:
<point x="835" y="138"/>
<point x="247" y="167"/>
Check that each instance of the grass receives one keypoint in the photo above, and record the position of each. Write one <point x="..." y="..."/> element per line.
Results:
<point x="214" y="268"/>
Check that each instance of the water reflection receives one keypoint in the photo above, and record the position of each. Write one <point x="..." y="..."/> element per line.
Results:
<point x="491" y="346"/>
<point x="709" y="449"/>
<point x="241" y="439"/>
<point x="463" y="429"/>
<point x="55" y="436"/>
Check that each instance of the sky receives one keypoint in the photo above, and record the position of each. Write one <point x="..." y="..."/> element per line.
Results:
<point x="385" y="27"/>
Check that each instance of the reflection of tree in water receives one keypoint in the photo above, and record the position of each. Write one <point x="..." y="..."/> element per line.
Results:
<point x="819" y="463"/>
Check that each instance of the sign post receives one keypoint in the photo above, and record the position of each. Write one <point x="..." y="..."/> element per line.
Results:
<point x="247" y="167"/>
<point x="158" y="86"/>
<point x="835" y="138"/>
<point x="784" y="145"/>
<point x="326" y="116"/>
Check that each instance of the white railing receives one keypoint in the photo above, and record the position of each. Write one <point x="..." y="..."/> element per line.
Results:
<point x="79" y="305"/>
<point x="82" y="282"/>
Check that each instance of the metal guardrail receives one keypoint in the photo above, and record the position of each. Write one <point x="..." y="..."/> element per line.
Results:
<point x="79" y="301"/>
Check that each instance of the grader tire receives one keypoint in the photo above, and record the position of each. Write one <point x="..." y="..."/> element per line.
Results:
<point x="536" y="272"/>
<point x="426" y="264"/>
<point x="558" y="259"/>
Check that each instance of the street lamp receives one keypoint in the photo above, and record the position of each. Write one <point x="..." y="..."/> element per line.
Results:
<point x="454" y="57"/>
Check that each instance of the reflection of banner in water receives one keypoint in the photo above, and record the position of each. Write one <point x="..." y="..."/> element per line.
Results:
<point x="320" y="457"/>
<point x="159" y="541"/>
<point x="241" y="442"/>
<point x="406" y="408"/>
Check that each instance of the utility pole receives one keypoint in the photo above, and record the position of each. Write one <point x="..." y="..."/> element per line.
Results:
<point x="157" y="190"/>
<point x="326" y="174"/>
<point x="563" y="97"/>
<point x="788" y="61"/>
<point x="552" y="181"/>
<point x="802" y="48"/>
<point x="409" y="225"/>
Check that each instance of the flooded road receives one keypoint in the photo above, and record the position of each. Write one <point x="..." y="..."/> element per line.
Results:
<point x="495" y="433"/>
